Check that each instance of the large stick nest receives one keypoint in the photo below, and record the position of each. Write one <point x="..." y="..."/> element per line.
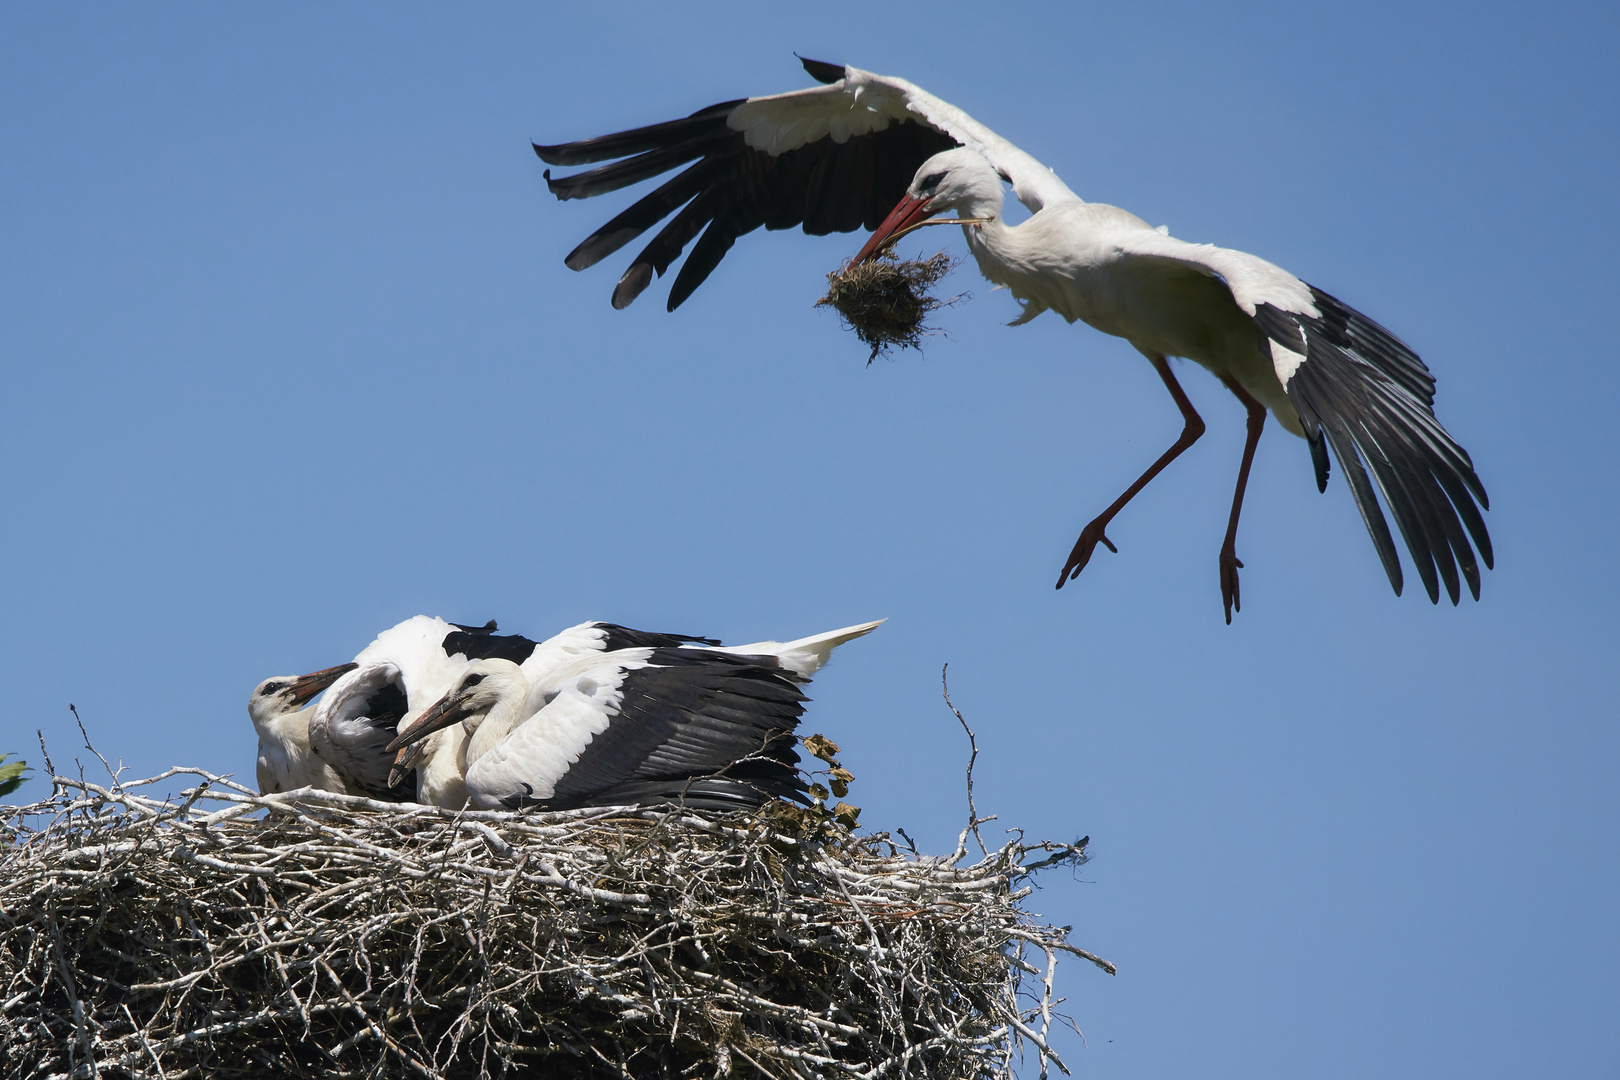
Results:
<point x="885" y="300"/>
<point x="221" y="933"/>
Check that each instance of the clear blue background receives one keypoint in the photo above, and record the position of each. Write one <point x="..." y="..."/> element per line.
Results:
<point x="290" y="354"/>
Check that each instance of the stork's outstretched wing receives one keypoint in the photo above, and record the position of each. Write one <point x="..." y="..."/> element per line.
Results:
<point x="1361" y="389"/>
<point x="831" y="158"/>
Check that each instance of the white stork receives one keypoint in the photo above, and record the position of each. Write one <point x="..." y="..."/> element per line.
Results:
<point x="697" y="724"/>
<point x="276" y="708"/>
<point x="875" y="151"/>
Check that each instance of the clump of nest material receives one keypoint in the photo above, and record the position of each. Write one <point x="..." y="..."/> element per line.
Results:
<point x="886" y="298"/>
<point x="220" y="933"/>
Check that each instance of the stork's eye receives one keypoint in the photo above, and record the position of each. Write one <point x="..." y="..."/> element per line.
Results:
<point x="272" y="688"/>
<point x="930" y="182"/>
<point x="472" y="680"/>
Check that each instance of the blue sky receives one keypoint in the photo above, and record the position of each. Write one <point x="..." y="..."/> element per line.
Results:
<point x="290" y="354"/>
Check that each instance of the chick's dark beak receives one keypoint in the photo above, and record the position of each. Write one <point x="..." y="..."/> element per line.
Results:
<point x="408" y="758"/>
<point x="441" y="714"/>
<point x="307" y="686"/>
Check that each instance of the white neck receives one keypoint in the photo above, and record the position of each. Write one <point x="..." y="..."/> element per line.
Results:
<point x="507" y="713"/>
<point x="285" y="758"/>
<point x="441" y="778"/>
<point x="984" y="206"/>
<point x="289" y="729"/>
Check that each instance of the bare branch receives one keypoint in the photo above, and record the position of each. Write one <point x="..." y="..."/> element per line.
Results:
<point x="974" y="820"/>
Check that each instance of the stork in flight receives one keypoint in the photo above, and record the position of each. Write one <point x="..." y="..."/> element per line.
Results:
<point x="693" y="723"/>
<point x="875" y="151"/>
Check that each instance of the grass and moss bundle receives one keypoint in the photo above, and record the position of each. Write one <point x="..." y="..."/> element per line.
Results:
<point x="218" y="933"/>
<point x="886" y="299"/>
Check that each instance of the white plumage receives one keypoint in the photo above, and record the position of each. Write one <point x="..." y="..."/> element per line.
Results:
<point x="707" y="725"/>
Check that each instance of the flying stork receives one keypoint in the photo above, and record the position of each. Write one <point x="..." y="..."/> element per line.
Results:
<point x="866" y="150"/>
<point x="693" y="723"/>
<point x="277" y="710"/>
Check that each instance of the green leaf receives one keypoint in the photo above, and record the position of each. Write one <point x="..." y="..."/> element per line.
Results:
<point x="11" y="775"/>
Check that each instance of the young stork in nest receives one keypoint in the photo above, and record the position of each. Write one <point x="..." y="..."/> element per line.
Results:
<point x="700" y="725"/>
<point x="277" y="710"/>
<point x="876" y="151"/>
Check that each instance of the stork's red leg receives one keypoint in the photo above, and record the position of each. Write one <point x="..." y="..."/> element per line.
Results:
<point x="1230" y="564"/>
<point x="1094" y="533"/>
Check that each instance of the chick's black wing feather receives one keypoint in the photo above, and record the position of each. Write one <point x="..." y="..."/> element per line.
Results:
<point x="692" y="720"/>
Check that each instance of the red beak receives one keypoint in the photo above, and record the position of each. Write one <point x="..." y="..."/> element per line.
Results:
<point x="906" y="213"/>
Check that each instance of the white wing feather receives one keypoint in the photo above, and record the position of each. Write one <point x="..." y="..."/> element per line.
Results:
<point x="1252" y="280"/>
<point x="533" y="757"/>
<point x="863" y="102"/>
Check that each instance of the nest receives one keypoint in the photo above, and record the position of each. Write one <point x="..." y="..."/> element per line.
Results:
<point x="885" y="299"/>
<point x="220" y="933"/>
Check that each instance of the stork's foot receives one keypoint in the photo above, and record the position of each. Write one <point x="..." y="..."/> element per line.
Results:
<point x="1230" y="565"/>
<point x="1090" y="537"/>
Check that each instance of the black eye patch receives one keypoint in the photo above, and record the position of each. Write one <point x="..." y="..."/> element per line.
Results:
<point x="931" y="181"/>
<point x="471" y="680"/>
<point x="272" y="688"/>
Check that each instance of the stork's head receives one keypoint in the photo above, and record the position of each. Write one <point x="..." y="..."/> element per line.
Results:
<point x="288" y="693"/>
<point x="481" y="687"/>
<point x="960" y="179"/>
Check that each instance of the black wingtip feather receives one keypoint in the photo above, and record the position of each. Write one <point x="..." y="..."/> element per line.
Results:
<point x="821" y="71"/>
<point x="1367" y="393"/>
<point x="823" y="186"/>
<point x="1319" y="459"/>
<point x="1367" y="503"/>
<point x="638" y="140"/>
<point x="706" y="255"/>
<point x="631" y="285"/>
